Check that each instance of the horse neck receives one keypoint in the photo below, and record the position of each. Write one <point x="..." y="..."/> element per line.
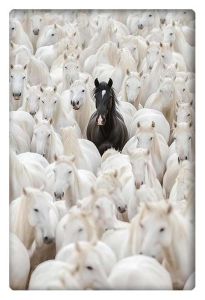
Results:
<point x="155" y="149"/>
<point x="60" y="46"/>
<point x="123" y="91"/>
<point x="23" y="228"/>
<point x="85" y="110"/>
<point x="134" y="240"/>
<point x="59" y="112"/>
<point x="71" y="145"/>
<point x="16" y="165"/>
<point x="73" y="193"/>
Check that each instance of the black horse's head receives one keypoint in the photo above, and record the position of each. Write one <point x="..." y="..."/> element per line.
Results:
<point x="105" y="100"/>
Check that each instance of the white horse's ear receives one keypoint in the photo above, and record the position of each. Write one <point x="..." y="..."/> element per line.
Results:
<point x="138" y="124"/>
<point x="161" y="45"/>
<point x="92" y="190"/>
<point x="55" y="89"/>
<point x="148" y="43"/>
<point x="115" y="173"/>
<point x="11" y="66"/>
<point x="128" y="72"/>
<point x="41" y="89"/>
<point x="141" y="73"/>
<point x="148" y="152"/>
<point x="153" y="124"/>
<point x="175" y="124"/>
<point x="86" y="80"/>
<point x="25" y="67"/>
<point x="118" y="45"/>
<point x="72" y="158"/>
<point x="191" y="103"/>
<point x="51" y="121"/>
<point x="12" y="44"/>
<point x="24" y="191"/>
<point x="186" y="79"/>
<point x="190" y="124"/>
<point x="71" y="82"/>
<point x="78" y="56"/>
<point x="55" y="26"/>
<point x="169" y="209"/>
<point x="173" y="23"/>
<point x="176" y="66"/>
<point x="170" y="44"/>
<point x="74" y="34"/>
<point x="55" y="157"/>
<point x="77" y="247"/>
<point x="65" y="56"/>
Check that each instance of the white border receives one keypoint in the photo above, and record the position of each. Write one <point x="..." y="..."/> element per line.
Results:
<point x="5" y="292"/>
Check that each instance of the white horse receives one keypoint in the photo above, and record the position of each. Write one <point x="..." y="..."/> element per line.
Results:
<point x="67" y="182"/>
<point x="53" y="275"/>
<point x="18" y="138"/>
<point x="32" y="174"/>
<point x="184" y="113"/>
<point x="152" y="55"/>
<point x="162" y="228"/>
<point x="33" y="25"/>
<point x="144" y="115"/>
<point x="24" y="120"/>
<point x="19" y="263"/>
<point x="169" y="56"/>
<point x="46" y="141"/>
<point x="32" y="102"/>
<point x="148" y="274"/>
<point x="50" y="35"/>
<point x="92" y="263"/>
<point x="147" y="137"/>
<point x="75" y="226"/>
<point x="82" y="103"/>
<point x="18" y="79"/>
<point x="164" y="99"/>
<point x="130" y="88"/>
<point x="33" y="217"/>
<point x="82" y="150"/>
<point x="18" y="35"/>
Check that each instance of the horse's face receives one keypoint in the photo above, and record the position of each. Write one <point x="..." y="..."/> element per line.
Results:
<point x="166" y="52"/>
<point x="104" y="212"/>
<point x="42" y="137"/>
<point x="153" y="53"/>
<point x="139" y="160"/>
<point x="103" y="103"/>
<point x="40" y="216"/>
<point x="155" y="228"/>
<point x="49" y="99"/>
<point x="146" y="20"/>
<point x="78" y="94"/>
<point x="169" y="34"/>
<point x="184" y="112"/>
<point x="183" y="139"/>
<point x="51" y="36"/>
<point x="71" y="70"/>
<point x="132" y="88"/>
<point x="36" y="22"/>
<point x="64" y="178"/>
<point x="17" y="80"/>
<point x="33" y="100"/>
<point x="145" y="137"/>
<point x="167" y="88"/>
<point x="13" y="29"/>
<point x="78" y="227"/>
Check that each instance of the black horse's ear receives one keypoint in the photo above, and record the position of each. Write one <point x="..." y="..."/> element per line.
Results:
<point x="96" y="82"/>
<point x="110" y="82"/>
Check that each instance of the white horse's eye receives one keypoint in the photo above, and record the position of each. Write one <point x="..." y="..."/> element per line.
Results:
<point x="141" y="225"/>
<point x="27" y="98"/>
<point x="36" y="209"/>
<point x="162" y="229"/>
<point x="188" y="115"/>
<point x="12" y="28"/>
<point x="69" y="172"/>
<point x="55" y="101"/>
<point x="42" y="101"/>
<point x="89" y="268"/>
<point x="49" y="135"/>
<point x="12" y="76"/>
<point x="52" y="34"/>
<point x="150" y="15"/>
<point x="189" y="137"/>
<point x="151" y="138"/>
<point x="83" y="91"/>
<point x="23" y="77"/>
<point x="97" y="206"/>
<point x="80" y="229"/>
<point x="39" y="98"/>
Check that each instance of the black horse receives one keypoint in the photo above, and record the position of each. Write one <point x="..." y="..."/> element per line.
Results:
<point x="106" y="128"/>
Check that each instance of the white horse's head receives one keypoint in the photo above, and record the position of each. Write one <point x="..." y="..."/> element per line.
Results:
<point x="110" y="182"/>
<point x="154" y="223"/>
<point x="167" y="87"/>
<point x="132" y="86"/>
<point x="33" y="99"/>
<point x="146" y="20"/>
<point x="153" y="53"/>
<point x="89" y="261"/>
<point x="49" y="99"/>
<point x="18" y="75"/>
<point x="64" y="176"/>
<point x="41" y="214"/>
<point x="181" y="86"/>
<point x="169" y="34"/>
<point x="70" y="69"/>
<point x="15" y="27"/>
<point x="41" y="139"/>
<point x="78" y="94"/>
<point x="183" y="135"/>
<point x="145" y="135"/>
<point x="50" y="35"/>
<point x="36" y="23"/>
<point x="79" y="226"/>
<point x="142" y="167"/>
<point x="184" y="112"/>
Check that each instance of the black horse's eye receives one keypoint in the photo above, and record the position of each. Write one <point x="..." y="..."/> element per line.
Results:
<point x="36" y="209"/>
<point x="89" y="268"/>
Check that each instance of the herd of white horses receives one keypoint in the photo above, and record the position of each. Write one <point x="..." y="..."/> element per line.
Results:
<point x="124" y="220"/>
